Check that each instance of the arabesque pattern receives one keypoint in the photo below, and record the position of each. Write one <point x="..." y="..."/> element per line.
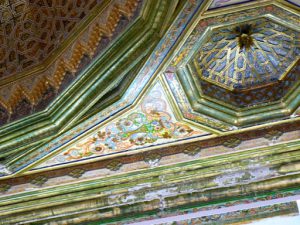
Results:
<point x="152" y="122"/>
<point x="31" y="30"/>
<point x="34" y="92"/>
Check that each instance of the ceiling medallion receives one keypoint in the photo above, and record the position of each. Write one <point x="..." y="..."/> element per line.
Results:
<point x="245" y="39"/>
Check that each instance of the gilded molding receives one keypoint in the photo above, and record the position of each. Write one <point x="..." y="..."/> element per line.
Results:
<point x="68" y="62"/>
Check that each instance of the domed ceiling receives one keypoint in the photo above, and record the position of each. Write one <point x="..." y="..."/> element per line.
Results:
<point x="231" y="72"/>
<point x="241" y="69"/>
<point x="246" y="64"/>
<point x="247" y="55"/>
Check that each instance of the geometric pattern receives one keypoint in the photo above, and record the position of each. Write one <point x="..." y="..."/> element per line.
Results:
<point x="127" y="156"/>
<point x="52" y="146"/>
<point x="224" y="62"/>
<point x="224" y="3"/>
<point x="155" y="59"/>
<point x="252" y="97"/>
<point x="34" y="92"/>
<point x="252" y="92"/>
<point x="31" y="30"/>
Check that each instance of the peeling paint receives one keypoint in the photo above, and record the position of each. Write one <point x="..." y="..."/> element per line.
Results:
<point x="161" y="193"/>
<point x="139" y="187"/>
<point x="153" y="163"/>
<point x="118" y="199"/>
<point x="262" y="172"/>
<point x="244" y="176"/>
<point x="4" y="170"/>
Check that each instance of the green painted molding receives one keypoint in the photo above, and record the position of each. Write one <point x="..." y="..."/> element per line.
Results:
<point x="259" y="114"/>
<point x="185" y="184"/>
<point x="94" y="82"/>
<point x="264" y="156"/>
<point x="114" y="94"/>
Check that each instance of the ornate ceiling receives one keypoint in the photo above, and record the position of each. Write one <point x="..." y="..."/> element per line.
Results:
<point x="43" y="48"/>
<point x="153" y="107"/>
<point x="32" y="30"/>
<point x="248" y="55"/>
<point x="248" y="63"/>
<point x="231" y="72"/>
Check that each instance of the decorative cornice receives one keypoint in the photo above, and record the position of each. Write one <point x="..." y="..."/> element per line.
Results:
<point x="208" y="147"/>
<point x="33" y="87"/>
<point x="222" y="178"/>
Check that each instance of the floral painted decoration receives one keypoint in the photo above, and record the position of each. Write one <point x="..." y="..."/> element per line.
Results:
<point x="152" y="122"/>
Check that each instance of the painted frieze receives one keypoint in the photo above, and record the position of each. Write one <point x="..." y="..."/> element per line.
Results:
<point x="152" y="122"/>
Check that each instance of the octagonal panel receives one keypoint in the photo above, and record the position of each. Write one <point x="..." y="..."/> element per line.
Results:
<point x="253" y="96"/>
<point x="248" y="55"/>
<point x="240" y="68"/>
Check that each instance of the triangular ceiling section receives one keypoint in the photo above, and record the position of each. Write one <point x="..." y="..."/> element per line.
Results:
<point x="151" y="123"/>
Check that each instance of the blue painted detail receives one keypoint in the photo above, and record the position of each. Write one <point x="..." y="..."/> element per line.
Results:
<point x="223" y="53"/>
<point x="217" y="38"/>
<point x="211" y="56"/>
<point x="221" y="66"/>
<point x="260" y="57"/>
<point x="258" y="37"/>
<point x="222" y="45"/>
<point x="250" y="57"/>
<point x="269" y="69"/>
<point x="231" y="37"/>
<point x="240" y="62"/>
<point x="269" y="32"/>
<point x="259" y="68"/>
<point x="248" y="72"/>
<point x="205" y="73"/>
<point x="280" y="51"/>
<point x="273" y="61"/>
<point x="273" y="41"/>
<point x="233" y="45"/>
<point x="209" y="46"/>
<point x="212" y="65"/>
<point x="265" y="47"/>
<point x="232" y="55"/>
<point x="231" y="71"/>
